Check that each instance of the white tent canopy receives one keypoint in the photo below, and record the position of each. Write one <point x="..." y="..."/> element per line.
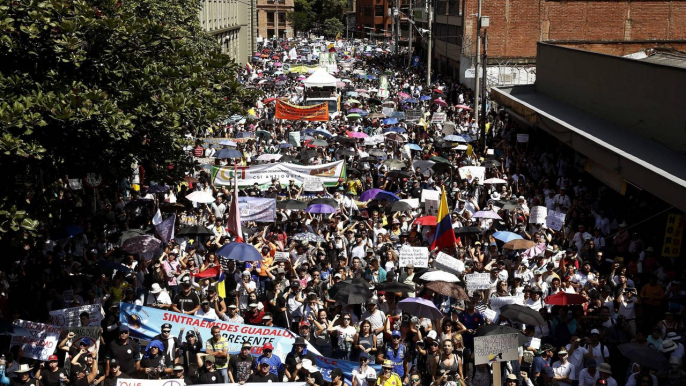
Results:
<point x="320" y="78"/>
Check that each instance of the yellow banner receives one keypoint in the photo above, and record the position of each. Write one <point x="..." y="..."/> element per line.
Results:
<point x="288" y="111"/>
<point x="674" y="232"/>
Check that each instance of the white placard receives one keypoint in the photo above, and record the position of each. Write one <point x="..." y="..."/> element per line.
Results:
<point x="438" y="118"/>
<point x="490" y="151"/>
<point x="282" y="256"/>
<point x="42" y="342"/>
<point x="498" y="302"/>
<point x="89" y="335"/>
<point x="495" y="348"/>
<point x="431" y="207"/>
<point x="448" y="263"/>
<point x="448" y="128"/>
<point x="69" y="317"/>
<point x="412" y="202"/>
<point x="555" y="220"/>
<point x="417" y="256"/>
<point x="490" y="314"/>
<point x="470" y="172"/>
<point x="522" y="137"/>
<point x="535" y="343"/>
<point x="428" y="194"/>
<point x="477" y="281"/>
<point x="538" y="215"/>
<point x="313" y="184"/>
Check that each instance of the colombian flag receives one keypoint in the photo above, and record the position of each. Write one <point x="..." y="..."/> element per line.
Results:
<point x="445" y="235"/>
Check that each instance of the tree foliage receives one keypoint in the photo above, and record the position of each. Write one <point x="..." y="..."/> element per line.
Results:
<point x="98" y="85"/>
<point x="332" y="27"/>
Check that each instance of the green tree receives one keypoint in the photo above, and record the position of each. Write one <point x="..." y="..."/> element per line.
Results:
<point x="332" y="27"/>
<point x="98" y="85"/>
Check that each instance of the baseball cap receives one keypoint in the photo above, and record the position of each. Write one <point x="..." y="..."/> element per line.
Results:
<point x="595" y="331"/>
<point x="267" y="346"/>
<point x="52" y="358"/>
<point x="395" y="333"/>
<point x="264" y="361"/>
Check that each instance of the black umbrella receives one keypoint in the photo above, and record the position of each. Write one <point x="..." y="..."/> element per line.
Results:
<point x="398" y="174"/>
<point x="355" y="293"/>
<point x="465" y="230"/>
<point x="522" y="314"/>
<point x="195" y="230"/>
<point x="494" y="329"/>
<point x="346" y="152"/>
<point x="344" y="140"/>
<point x="307" y="154"/>
<point x="374" y="101"/>
<point x="130" y="233"/>
<point x="398" y="206"/>
<point x="325" y="201"/>
<point x="644" y="356"/>
<point x="377" y="152"/>
<point x="288" y="158"/>
<point x="158" y="189"/>
<point x="491" y="163"/>
<point x="369" y="159"/>
<point x="440" y="167"/>
<point x="395" y="287"/>
<point x="291" y="204"/>
<point x="353" y="170"/>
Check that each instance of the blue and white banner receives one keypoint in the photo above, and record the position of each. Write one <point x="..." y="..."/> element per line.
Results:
<point x="257" y="209"/>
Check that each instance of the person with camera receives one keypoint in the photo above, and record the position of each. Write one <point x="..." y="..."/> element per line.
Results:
<point x="53" y="375"/>
<point x="153" y="363"/>
<point x="218" y="348"/>
<point x="189" y="352"/>
<point x="628" y="300"/>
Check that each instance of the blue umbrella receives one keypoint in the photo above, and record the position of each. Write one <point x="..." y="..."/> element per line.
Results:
<point x="424" y="98"/>
<point x="414" y="146"/>
<point x="353" y="93"/>
<point x="307" y="131"/>
<point x="454" y="138"/>
<point x="226" y="142"/>
<point x="467" y="137"/>
<point x="239" y="252"/>
<point x="228" y="153"/>
<point x="388" y="196"/>
<point x="394" y="129"/>
<point x="158" y="189"/>
<point x="372" y="77"/>
<point x="245" y="134"/>
<point x="410" y="100"/>
<point x="505" y="236"/>
<point x="370" y="194"/>
<point x="390" y="121"/>
<point x="323" y="132"/>
<point x="285" y="145"/>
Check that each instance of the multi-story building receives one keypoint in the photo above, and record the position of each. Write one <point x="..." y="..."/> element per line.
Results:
<point x="231" y="23"/>
<point x="271" y="18"/>
<point x="373" y="18"/>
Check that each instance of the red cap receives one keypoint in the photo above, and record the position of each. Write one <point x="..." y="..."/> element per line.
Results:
<point x="268" y="346"/>
<point x="304" y="323"/>
<point x="52" y="358"/>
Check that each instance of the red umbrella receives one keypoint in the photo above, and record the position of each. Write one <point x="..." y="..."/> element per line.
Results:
<point x="269" y="100"/>
<point x="437" y="91"/>
<point x="426" y="220"/>
<point x="463" y="107"/>
<point x="564" y="299"/>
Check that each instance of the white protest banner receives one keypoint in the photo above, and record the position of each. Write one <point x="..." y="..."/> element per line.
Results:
<point x="417" y="256"/>
<point x="257" y="209"/>
<point x="431" y="207"/>
<point x="535" y="343"/>
<point x="498" y="302"/>
<point x="490" y="314"/>
<point x="555" y="220"/>
<point x="438" y="118"/>
<point x="477" y="281"/>
<point x="313" y="184"/>
<point x="428" y="194"/>
<point x="495" y="348"/>
<point x="413" y="115"/>
<point x="282" y="256"/>
<point x="387" y="111"/>
<point x="89" y="335"/>
<point x="448" y="128"/>
<point x="538" y="215"/>
<point x="42" y="342"/>
<point x="283" y="171"/>
<point x="448" y="263"/>
<point x="424" y="167"/>
<point x="69" y="317"/>
<point x="383" y="86"/>
<point x="522" y="137"/>
<point x="469" y="173"/>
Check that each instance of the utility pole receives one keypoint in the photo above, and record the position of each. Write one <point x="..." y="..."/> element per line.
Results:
<point x="410" y="34"/>
<point x="476" y="66"/>
<point x="276" y="18"/>
<point x="485" y="85"/>
<point x="428" y="54"/>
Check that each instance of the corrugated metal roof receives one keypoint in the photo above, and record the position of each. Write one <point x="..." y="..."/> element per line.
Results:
<point x="667" y="59"/>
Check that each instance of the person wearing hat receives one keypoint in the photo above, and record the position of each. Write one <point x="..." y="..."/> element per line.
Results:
<point x="596" y="349"/>
<point x="53" y="375"/>
<point x="232" y="314"/>
<point x="376" y="317"/>
<point x="606" y="373"/>
<point x="337" y="377"/>
<point x="218" y="347"/>
<point x="154" y="363"/>
<point x="263" y="373"/>
<point x="171" y="343"/>
<point x="126" y="351"/>
<point x="114" y="374"/>
<point x="244" y="289"/>
<point x="397" y="353"/>
<point x="190" y="351"/>
<point x="206" y="311"/>
<point x="209" y="374"/>
<point x="295" y="359"/>
<point x="589" y="375"/>
<point x="364" y="371"/>
<point x="23" y="374"/>
<point x="275" y="365"/>
<point x="542" y="360"/>
<point x="387" y="376"/>
<point x="565" y="372"/>
<point x="241" y="365"/>
<point x="178" y="372"/>
<point x="186" y="301"/>
<point x="217" y="303"/>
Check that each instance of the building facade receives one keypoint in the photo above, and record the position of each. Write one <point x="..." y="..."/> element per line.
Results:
<point x="372" y="19"/>
<point x="230" y="22"/>
<point x="271" y="18"/>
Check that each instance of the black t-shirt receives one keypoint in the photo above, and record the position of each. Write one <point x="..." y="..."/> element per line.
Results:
<point x="210" y="377"/>
<point x="257" y="377"/>
<point x="293" y="359"/>
<point x="188" y="302"/>
<point x="74" y="351"/>
<point x="52" y="378"/>
<point x="126" y="354"/>
<point x="165" y="342"/>
<point x="111" y="380"/>
<point x="30" y="382"/>
<point x="240" y="367"/>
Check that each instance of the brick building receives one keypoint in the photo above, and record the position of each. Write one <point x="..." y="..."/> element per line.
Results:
<point x="372" y="18"/>
<point x="228" y="21"/>
<point x="617" y="27"/>
<point x="271" y="14"/>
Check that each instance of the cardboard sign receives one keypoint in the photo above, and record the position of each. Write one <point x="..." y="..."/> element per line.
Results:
<point x="428" y="194"/>
<point x="282" y="256"/>
<point x="431" y="207"/>
<point x="498" y="302"/>
<point x="538" y="215"/>
<point x="313" y="184"/>
<point x="417" y="256"/>
<point x="477" y="281"/>
<point x="438" y="118"/>
<point x="522" y="137"/>
<point x="448" y="263"/>
<point x="42" y="342"/>
<point x="674" y="232"/>
<point x="413" y="115"/>
<point x="257" y="209"/>
<point x="490" y="315"/>
<point x="469" y="173"/>
<point x="448" y="128"/>
<point x="555" y="220"/>
<point x="90" y="335"/>
<point x="69" y="317"/>
<point x="535" y="343"/>
<point x="495" y="348"/>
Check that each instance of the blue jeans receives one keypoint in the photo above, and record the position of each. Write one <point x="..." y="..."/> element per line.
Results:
<point x="225" y="374"/>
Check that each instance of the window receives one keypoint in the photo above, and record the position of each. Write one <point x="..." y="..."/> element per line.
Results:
<point x="378" y="11"/>
<point x="368" y="11"/>
<point x="270" y="18"/>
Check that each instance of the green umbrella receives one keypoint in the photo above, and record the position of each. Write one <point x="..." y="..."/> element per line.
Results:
<point x="439" y="159"/>
<point x="263" y="133"/>
<point x="354" y="101"/>
<point x="394" y="164"/>
<point x="354" y="116"/>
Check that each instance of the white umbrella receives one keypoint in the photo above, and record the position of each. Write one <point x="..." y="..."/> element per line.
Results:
<point x="495" y="181"/>
<point x="440" y="276"/>
<point x="201" y="197"/>
<point x="269" y="157"/>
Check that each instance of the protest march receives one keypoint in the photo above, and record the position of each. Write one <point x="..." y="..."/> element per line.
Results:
<point x="356" y="227"/>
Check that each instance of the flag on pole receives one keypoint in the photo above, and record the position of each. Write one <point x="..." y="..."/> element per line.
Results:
<point x="233" y="225"/>
<point x="445" y="235"/>
<point x="157" y="218"/>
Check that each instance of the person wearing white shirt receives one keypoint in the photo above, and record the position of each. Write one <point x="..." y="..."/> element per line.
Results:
<point x="564" y="371"/>
<point x="596" y="350"/>
<point x="364" y="371"/>
<point x="577" y="355"/>
<point x="157" y="297"/>
<point x="589" y="375"/>
<point x="206" y="311"/>
<point x="606" y="373"/>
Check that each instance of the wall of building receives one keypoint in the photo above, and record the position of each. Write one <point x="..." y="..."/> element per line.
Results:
<point x="229" y="22"/>
<point x="267" y="20"/>
<point x="622" y="91"/>
<point x="378" y="18"/>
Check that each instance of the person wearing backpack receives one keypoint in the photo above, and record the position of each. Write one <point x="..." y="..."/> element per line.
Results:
<point x="596" y="349"/>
